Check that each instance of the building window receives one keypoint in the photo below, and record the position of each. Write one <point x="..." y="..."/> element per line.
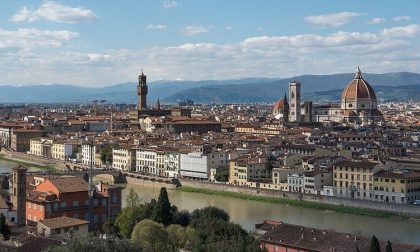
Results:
<point x="75" y="203"/>
<point x="104" y="201"/>
<point x="63" y="204"/>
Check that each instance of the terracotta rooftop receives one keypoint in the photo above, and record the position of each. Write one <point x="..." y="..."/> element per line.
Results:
<point x="313" y="239"/>
<point x="69" y="184"/>
<point x="398" y="174"/>
<point x="356" y="164"/>
<point x="61" y="222"/>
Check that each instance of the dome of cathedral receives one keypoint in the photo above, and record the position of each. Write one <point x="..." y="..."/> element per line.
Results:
<point x="358" y="88"/>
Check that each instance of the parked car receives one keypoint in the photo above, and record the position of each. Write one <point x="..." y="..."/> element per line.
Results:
<point x="416" y="202"/>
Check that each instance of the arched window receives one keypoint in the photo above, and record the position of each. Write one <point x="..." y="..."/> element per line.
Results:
<point x="293" y="94"/>
<point x="63" y="204"/>
<point x="350" y="105"/>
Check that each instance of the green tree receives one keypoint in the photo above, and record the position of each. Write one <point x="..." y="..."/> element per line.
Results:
<point x="222" y="176"/>
<point x="94" y="244"/>
<point x="177" y="236"/>
<point x="216" y="233"/>
<point x="151" y="236"/>
<point x="374" y="245"/>
<point x="182" y="218"/>
<point x="388" y="246"/>
<point x="110" y="229"/>
<point x="132" y="199"/>
<point x="162" y="211"/>
<point x="4" y="228"/>
<point x="128" y="218"/>
<point x="210" y="212"/>
<point x="106" y="154"/>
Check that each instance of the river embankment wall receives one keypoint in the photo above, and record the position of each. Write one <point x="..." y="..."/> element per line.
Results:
<point x="410" y="210"/>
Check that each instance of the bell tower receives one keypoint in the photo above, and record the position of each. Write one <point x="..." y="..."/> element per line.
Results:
<point x="19" y="194"/>
<point x="294" y="99"/>
<point x="142" y="92"/>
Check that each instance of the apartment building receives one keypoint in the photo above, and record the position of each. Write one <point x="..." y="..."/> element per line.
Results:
<point x="354" y="179"/>
<point x="247" y="169"/>
<point x="399" y="186"/>
<point x="124" y="158"/>
<point x="68" y="196"/>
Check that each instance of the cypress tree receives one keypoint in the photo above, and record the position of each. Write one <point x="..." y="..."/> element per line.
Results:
<point x="374" y="245"/>
<point x="162" y="211"/>
<point x="388" y="247"/>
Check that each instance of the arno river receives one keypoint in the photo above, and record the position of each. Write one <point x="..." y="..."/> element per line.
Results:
<point x="247" y="213"/>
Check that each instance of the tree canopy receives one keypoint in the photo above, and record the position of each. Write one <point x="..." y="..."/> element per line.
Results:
<point x="374" y="245"/>
<point x="162" y="212"/>
<point x="151" y="236"/>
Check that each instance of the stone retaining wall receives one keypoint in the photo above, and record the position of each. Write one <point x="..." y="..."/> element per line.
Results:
<point x="29" y="158"/>
<point x="147" y="182"/>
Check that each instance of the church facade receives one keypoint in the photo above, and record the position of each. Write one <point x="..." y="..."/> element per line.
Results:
<point x="358" y="106"/>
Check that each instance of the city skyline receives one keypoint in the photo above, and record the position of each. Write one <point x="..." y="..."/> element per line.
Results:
<point x="49" y="41"/>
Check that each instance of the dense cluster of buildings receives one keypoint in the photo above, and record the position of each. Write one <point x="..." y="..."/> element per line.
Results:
<point x="359" y="149"/>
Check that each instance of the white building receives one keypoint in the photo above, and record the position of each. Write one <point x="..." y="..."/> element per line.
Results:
<point x="62" y="150"/>
<point x="194" y="165"/>
<point x="88" y="154"/>
<point x="146" y="161"/>
<point x="172" y="163"/>
<point x="295" y="182"/>
<point x="124" y="159"/>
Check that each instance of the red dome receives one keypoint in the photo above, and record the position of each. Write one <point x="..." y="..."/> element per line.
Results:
<point x="358" y="88"/>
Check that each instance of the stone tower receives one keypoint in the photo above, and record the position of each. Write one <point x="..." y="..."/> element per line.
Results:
<point x="294" y="101"/>
<point x="142" y="92"/>
<point x="19" y="194"/>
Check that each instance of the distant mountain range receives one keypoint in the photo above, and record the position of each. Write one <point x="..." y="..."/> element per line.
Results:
<point x="389" y="86"/>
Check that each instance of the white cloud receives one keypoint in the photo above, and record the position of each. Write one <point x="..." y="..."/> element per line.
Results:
<point x="333" y="19"/>
<point x="387" y="50"/>
<point x="27" y="39"/>
<point x="377" y="20"/>
<point x="156" y="27"/>
<point x="169" y="4"/>
<point x="402" y="31"/>
<point x="191" y="30"/>
<point x="228" y="28"/>
<point x="54" y="11"/>
<point x="402" y="18"/>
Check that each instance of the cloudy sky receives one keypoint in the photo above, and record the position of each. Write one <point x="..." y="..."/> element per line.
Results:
<point x="97" y="43"/>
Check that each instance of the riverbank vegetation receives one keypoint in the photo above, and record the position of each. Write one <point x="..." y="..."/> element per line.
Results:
<point x="159" y="226"/>
<point x="297" y="203"/>
<point x="27" y="164"/>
